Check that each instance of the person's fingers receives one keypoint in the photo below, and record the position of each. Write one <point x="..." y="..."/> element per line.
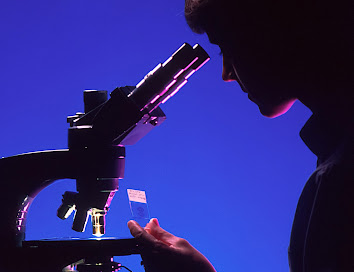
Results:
<point x="155" y="221"/>
<point x="139" y="233"/>
<point x="144" y="238"/>
<point x="159" y="233"/>
<point x="135" y="228"/>
<point x="151" y="224"/>
<point x="162" y="251"/>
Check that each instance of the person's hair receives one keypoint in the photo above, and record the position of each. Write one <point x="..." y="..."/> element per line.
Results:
<point x="337" y="15"/>
<point x="196" y="12"/>
<point x="319" y="30"/>
<point x="200" y="14"/>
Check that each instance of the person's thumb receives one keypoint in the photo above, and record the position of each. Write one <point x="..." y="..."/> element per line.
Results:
<point x="135" y="228"/>
<point x="153" y="228"/>
<point x="140" y="234"/>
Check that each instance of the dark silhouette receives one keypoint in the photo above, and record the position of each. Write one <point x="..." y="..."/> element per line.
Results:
<point x="280" y="52"/>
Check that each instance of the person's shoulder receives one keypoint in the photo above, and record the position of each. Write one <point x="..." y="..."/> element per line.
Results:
<point x="339" y="166"/>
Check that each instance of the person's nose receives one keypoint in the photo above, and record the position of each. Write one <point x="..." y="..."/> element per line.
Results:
<point x="228" y="72"/>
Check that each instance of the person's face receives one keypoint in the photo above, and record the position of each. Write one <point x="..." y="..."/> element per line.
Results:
<point x="257" y="68"/>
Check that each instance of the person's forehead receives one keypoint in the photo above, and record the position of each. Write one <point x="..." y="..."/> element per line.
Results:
<point x="215" y="31"/>
<point x="218" y="34"/>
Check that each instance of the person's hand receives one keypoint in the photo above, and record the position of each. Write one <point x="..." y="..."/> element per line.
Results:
<point x="161" y="251"/>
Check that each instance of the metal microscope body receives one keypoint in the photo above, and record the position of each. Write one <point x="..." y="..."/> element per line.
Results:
<point x="95" y="159"/>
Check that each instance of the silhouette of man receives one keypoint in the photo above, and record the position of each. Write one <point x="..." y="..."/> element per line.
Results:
<point x="280" y="51"/>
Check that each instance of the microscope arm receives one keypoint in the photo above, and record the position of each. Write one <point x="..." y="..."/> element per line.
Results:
<point x="24" y="176"/>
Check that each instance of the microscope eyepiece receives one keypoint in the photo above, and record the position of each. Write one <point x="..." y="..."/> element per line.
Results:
<point x="167" y="78"/>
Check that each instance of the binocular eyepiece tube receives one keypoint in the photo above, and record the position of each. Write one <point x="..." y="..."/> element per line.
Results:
<point x="167" y="78"/>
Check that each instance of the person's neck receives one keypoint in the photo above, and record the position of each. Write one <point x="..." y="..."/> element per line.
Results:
<point x="329" y="99"/>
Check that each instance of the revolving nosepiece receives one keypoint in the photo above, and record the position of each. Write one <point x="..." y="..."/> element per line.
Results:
<point x="95" y="206"/>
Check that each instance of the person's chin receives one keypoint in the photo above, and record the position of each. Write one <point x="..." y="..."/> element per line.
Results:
<point x="272" y="111"/>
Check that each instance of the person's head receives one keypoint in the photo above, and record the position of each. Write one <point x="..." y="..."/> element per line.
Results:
<point x="278" y="50"/>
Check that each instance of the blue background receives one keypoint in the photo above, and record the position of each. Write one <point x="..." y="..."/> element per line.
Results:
<point x="216" y="172"/>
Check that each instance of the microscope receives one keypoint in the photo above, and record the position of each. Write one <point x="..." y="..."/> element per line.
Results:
<point x="95" y="158"/>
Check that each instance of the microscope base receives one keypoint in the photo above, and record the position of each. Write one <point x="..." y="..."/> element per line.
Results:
<point x="55" y="254"/>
